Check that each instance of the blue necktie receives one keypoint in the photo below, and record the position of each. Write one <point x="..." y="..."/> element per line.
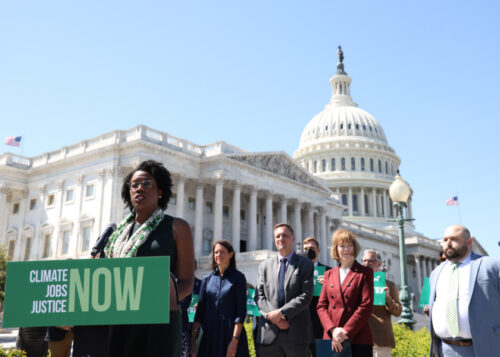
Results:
<point x="281" y="283"/>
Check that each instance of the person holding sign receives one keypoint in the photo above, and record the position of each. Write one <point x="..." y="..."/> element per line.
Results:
<point x="310" y="245"/>
<point x="346" y="300"/>
<point x="380" y="321"/>
<point x="222" y="308"/>
<point x="147" y="231"/>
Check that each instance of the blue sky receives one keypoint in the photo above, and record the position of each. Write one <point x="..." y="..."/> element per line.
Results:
<point x="253" y="73"/>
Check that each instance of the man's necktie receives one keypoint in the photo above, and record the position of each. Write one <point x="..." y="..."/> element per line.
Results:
<point x="281" y="283"/>
<point x="452" y="303"/>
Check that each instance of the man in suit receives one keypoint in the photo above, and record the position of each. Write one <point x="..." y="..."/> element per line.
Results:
<point x="311" y="249"/>
<point x="465" y="300"/>
<point x="380" y="321"/>
<point x="283" y="294"/>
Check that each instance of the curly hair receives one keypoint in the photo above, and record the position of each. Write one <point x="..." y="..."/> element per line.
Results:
<point x="161" y="176"/>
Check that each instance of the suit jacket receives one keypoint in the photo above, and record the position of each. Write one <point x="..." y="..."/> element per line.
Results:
<point x="380" y="321"/>
<point x="316" y="323"/>
<point x="484" y="305"/>
<point x="348" y="306"/>
<point x="298" y="293"/>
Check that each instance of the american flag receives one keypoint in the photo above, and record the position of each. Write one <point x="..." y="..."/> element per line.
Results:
<point x="13" y="140"/>
<point x="453" y="201"/>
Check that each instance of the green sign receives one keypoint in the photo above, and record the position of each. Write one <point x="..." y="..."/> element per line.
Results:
<point x="379" y="285"/>
<point x="252" y="308"/>
<point x="318" y="271"/>
<point x="87" y="292"/>
<point x="426" y="294"/>
<point x="192" y="307"/>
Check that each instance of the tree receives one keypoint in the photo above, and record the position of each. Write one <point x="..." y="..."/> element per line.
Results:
<point x="3" y="272"/>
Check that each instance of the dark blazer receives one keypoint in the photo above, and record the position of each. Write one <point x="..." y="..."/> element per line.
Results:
<point x="348" y="306"/>
<point x="316" y="323"/>
<point x="484" y="307"/>
<point x="298" y="293"/>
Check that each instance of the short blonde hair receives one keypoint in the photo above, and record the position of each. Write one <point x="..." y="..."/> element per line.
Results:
<point x="311" y="240"/>
<point x="343" y="236"/>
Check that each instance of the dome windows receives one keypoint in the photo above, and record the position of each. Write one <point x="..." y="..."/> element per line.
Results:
<point x="380" y="166"/>
<point x="371" y="165"/>
<point x="326" y="128"/>
<point x="332" y="167"/>
<point x="323" y="165"/>
<point x="362" y="164"/>
<point x="342" y="164"/>
<point x="386" y="168"/>
<point x="349" y="126"/>
<point x="357" y="126"/>
<point x="364" y="127"/>
<point x="341" y="126"/>
<point x="353" y="164"/>
<point x="315" y="166"/>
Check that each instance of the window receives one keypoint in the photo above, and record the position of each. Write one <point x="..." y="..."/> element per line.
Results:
<point x="27" y="249"/>
<point x="242" y="215"/>
<point x="344" y="199"/>
<point x="69" y="195"/>
<point x="342" y="164"/>
<point x="50" y="200"/>
<point x="332" y="168"/>
<point x="15" y="208"/>
<point x="366" y="204"/>
<point x="357" y="126"/>
<point x="65" y="242"/>
<point x="323" y="165"/>
<point x="341" y="126"/>
<point x="12" y="247"/>
<point x="362" y="164"/>
<point x="386" y="168"/>
<point x="379" y="166"/>
<point x="307" y="166"/>
<point x="353" y="164"/>
<point x="86" y="239"/>
<point x="225" y="211"/>
<point x="89" y="190"/>
<point x="209" y="207"/>
<point x="355" y="203"/>
<point x="207" y="246"/>
<point x="173" y="199"/>
<point x="349" y="126"/>
<point x="371" y="165"/>
<point x="191" y="202"/>
<point x="47" y="246"/>
<point x="32" y="204"/>
<point x="315" y="166"/>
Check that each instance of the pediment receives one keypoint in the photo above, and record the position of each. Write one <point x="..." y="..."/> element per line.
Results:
<point x="28" y="229"/>
<point x="11" y="232"/>
<point x="281" y="164"/>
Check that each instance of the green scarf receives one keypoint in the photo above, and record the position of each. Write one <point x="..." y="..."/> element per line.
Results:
<point x="121" y="246"/>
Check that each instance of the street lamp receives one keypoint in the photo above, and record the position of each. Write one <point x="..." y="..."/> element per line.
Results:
<point x="399" y="191"/>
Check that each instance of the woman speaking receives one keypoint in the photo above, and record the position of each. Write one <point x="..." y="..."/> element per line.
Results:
<point x="147" y="231"/>
<point x="346" y="299"/>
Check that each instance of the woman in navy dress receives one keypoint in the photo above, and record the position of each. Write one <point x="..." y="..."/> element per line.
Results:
<point x="221" y="308"/>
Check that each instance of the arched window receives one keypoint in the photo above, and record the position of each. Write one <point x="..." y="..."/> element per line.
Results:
<point x="379" y="166"/>
<point x="332" y="168"/>
<point x="355" y="203"/>
<point x="362" y="164"/>
<point x="323" y="165"/>
<point x="371" y="165"/>
<point x="353" y="164"/>
<point x="386" y="168"/>
<point x="342" y="164"/>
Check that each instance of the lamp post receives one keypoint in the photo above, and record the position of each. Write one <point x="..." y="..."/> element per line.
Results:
<point x="399" y="191"/>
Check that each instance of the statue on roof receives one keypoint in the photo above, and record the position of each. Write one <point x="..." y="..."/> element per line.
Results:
<point x="341" y="54"/>
<point x="340" y="65"/>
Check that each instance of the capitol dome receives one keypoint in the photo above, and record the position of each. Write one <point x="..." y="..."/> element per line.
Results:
<point x="346" y="147"/>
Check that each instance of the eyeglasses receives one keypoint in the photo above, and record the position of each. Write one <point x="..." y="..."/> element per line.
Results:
<point x="146" y="184"/>
<point x="369" y="261"/>
<point x="349" y="246"/>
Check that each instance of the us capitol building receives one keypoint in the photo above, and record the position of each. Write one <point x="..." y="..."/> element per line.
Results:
<point x="55" y="205"/>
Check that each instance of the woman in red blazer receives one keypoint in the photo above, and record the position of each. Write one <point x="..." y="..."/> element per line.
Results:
<point x="346" y="299"/>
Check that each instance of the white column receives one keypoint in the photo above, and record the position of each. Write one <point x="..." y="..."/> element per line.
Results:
<point x="57" y="229"/>
<point x="100" y="193"/>
<point x="198" y="221"/>
<point x="384" y="200"/>
<point x="310" y="222"/>
<point x="219" y="189"/>
<point x="424" y="268"/>
<point x="22" y="239"/>
<point x="78" y="203"/>
<point x="41" y="211"/>
<point x="236" y="224"/>
<point x="3" y="218"/>
<point x="322" y="242"/>
<point x="252" y="220"/>
<point x="374" y="202"/>
<point x="298" y="222"/>
<point x="419" y="276"/>
<point x="268" y="236"/>
<point x="349" y="201"/>
<point x="179" y="209"/>
<point x="283" y="211"/>
<point x="361" y="202"/>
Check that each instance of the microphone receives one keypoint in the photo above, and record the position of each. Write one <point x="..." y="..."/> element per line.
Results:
<point x="102" y="240"/>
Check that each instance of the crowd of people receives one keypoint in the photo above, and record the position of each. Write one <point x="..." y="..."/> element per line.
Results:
<point x="464" y="304"/>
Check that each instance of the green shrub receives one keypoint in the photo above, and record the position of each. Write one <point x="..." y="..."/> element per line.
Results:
<point x="409" y="343"/>
<point x="11" y="352"/>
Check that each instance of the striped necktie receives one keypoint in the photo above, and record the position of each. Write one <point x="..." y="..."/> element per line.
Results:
<point x="452" y="303"/>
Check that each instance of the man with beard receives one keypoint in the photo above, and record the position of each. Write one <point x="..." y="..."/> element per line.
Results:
<point x="465" y="300"/>
<point x="310" y="245"/>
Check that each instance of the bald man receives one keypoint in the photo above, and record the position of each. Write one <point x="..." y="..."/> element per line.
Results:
<point x="465" y="300"/>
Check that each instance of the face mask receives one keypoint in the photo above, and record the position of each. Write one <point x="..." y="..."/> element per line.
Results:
<point x="311" y="254"/>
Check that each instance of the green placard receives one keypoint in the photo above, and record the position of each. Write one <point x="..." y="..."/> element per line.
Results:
<point x="252" y="308"/>
<point x="87" y="292"/>
<point x="426" y="294"/>
<point x="192" y="308"/>
<point x="318" y="271"/>
<point x="379" y="285"/>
